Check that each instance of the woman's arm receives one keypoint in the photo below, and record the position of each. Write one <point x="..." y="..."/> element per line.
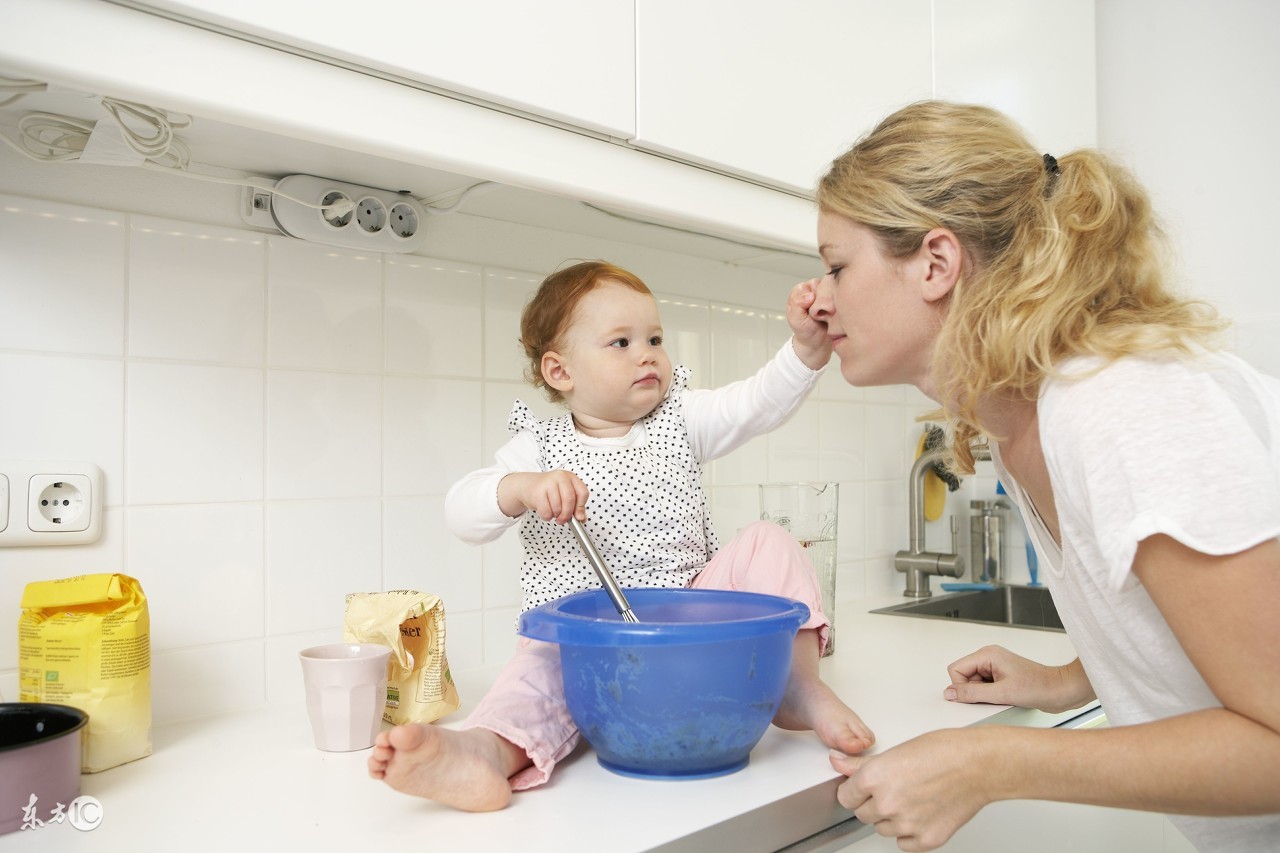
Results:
<point x="1219" y="761"/>
<point x="996" y="676"/>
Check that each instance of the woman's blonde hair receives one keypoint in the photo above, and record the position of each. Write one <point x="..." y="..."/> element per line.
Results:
<point x="548" y="314"/>
<point x="1062" y="257"/>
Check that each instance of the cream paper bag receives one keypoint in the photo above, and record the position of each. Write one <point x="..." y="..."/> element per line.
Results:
<point x="420" y="688"/>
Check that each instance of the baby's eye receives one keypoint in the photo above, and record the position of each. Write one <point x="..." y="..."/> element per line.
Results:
<point x="655" y="341"/>
<point x="621" y="343"/>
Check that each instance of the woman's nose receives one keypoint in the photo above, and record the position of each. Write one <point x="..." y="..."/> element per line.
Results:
<point x="823" y="305"/>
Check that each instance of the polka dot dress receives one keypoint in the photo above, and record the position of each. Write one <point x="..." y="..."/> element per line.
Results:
<point x="646" y="512"/>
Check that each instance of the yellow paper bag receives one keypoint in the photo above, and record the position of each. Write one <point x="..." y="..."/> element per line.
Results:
<point x="86" y="642"/>
<point x="420" y="688"/>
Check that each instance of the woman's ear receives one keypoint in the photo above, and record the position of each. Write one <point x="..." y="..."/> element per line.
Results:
<point x="942" y="259"/>
<point x="555" y="372"/>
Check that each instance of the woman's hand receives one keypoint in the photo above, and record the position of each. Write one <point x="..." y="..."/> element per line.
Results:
<point x="553" y="495"/>
<point x="996" y="676"/>
<point x="919" y="792"/>
<point x="809" y="337"/>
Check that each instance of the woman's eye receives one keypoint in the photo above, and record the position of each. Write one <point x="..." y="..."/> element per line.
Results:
<point x="834" y="272"/>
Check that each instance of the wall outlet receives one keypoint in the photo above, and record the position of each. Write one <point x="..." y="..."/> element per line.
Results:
<point x="58" y="502"/>
<point x="347" y="215"/>
<point x="46" y="502"/>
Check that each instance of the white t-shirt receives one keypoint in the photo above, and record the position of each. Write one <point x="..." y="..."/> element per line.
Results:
<point x="1189" y="448"/>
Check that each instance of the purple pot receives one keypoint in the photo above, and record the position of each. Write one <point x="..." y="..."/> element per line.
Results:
<point x="40" y="748"/>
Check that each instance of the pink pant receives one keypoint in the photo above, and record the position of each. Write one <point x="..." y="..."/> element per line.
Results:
<point x="526" y="704"/>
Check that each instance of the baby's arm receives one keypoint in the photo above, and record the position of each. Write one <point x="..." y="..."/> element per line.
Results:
<point x="723" y="419"/>
<point x="482" y="505"/>
<point x="471" y="508"/>
<point x="553" y="495"/>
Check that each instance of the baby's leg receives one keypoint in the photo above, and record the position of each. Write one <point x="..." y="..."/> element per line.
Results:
<point x="809" y="703"/>
<point x="765" y="558"/>
<point x="511" y="741"/>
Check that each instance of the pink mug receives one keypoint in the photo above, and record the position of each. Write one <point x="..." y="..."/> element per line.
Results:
<point x="346" y="687"/>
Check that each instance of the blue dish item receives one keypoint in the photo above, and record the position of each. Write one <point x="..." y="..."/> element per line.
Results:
<point x="966" y="587"/>
<point x="685" y="693"/>
<point x="1033" y="564"/>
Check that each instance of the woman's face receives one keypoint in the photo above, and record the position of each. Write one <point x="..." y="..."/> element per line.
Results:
<point x="880" y="323"/>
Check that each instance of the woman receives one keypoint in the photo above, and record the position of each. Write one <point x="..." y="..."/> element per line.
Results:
<point x="1025" y="295"/>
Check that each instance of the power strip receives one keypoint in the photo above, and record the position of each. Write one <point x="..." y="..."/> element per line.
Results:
<point x="347" y="215"/>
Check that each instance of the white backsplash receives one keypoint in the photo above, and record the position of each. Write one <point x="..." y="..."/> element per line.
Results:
<point x="278" y="421"/>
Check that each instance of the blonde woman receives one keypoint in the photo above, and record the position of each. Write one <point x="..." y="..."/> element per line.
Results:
<point x="1025" y="295"/>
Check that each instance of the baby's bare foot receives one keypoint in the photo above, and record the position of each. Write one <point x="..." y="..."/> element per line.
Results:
<point x="810" y="705"/>
<point x="464" y="769"/>
<point x="814" y="706"/>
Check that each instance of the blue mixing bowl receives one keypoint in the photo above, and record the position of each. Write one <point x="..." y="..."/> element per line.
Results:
<point x="686" y="692"/>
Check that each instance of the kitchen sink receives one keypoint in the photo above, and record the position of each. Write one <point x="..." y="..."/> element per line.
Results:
<point x="1017" y="606"/>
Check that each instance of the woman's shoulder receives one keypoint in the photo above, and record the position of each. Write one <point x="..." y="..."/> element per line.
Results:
<point x="1156" y="374"/>
<point x="1143" y="391"/>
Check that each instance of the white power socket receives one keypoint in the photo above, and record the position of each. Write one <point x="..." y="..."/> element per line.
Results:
<point x="347" y="215"/>
<point x="46" y="502"/>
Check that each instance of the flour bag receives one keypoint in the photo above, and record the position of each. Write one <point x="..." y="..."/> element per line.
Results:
<point x="86" y="642"/>
<point x="420" y="688"/>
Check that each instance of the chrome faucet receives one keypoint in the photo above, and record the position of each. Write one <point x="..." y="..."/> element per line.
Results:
<point x="916" y="562"/>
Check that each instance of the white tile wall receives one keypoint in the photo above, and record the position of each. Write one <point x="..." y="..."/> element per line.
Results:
<point x="278" y="423"/>
<point x="209" y="311"/>
<point x="70" y="301"/>
<point x="194" y="433"/>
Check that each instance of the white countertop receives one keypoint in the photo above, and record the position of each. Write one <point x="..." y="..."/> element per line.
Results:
<point x="257" y="778"/>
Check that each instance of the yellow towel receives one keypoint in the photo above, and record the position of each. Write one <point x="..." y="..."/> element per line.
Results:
<point x="935" y="491"/>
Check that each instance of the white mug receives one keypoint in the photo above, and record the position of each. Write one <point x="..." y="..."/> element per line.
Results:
<point x="346" y="687"/>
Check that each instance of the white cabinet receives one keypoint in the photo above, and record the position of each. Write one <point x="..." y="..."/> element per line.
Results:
<point x="774" y="91"/>
<point x="570" y="60"/>
<point x="1033" y="61"/>
<point x="765" y="91"/>
<point x="253" y="96"/>
<point x="757" y="96"/>
<point x="1020" y="826"/>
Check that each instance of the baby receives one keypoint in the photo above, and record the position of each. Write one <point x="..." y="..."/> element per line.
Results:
<point x="626" y="460"/>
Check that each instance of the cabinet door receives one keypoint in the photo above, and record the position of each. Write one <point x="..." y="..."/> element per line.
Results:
<point x="1034" y="61"/>
<point x="569" y="60"/>
<point x="774" y="91"/>
<point x="1019" y="826"/>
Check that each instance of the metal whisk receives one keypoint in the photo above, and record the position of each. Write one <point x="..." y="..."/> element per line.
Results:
<point x="602" y="571"/>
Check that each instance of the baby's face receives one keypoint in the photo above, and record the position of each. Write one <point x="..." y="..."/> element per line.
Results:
<point x="614" y="355"/>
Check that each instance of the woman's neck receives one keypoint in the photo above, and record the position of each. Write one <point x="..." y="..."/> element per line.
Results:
<point x="1015" y="429"/>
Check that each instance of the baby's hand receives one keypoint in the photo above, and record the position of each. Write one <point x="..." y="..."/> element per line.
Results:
<point x="555" y="496"/>
<point x="809" y="337"/>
